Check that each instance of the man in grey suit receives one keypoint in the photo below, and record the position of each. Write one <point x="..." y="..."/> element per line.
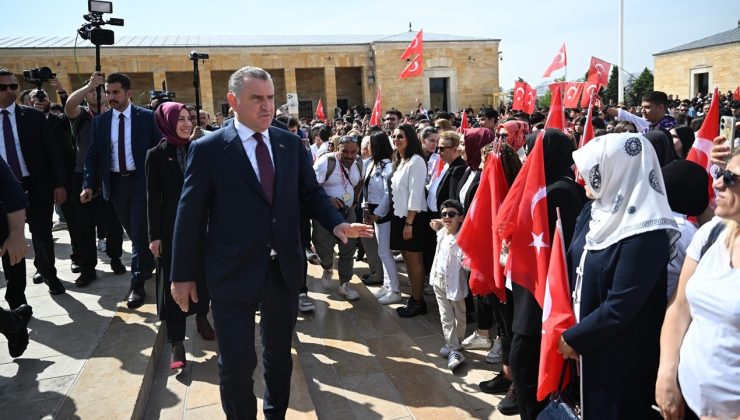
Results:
<point x="238" y="221"/>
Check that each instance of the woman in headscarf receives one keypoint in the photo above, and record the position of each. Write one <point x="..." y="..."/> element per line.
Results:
<point x="165" y="165"/>
<point x="683" y="138"/>
<point x="565" y="194"/>
<point x="514" y="132"/>
<point x="661" y="141"/>
<point x="622" y="244"/>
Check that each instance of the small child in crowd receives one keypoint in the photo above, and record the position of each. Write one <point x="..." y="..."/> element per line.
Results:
<point x="448" y="281"/>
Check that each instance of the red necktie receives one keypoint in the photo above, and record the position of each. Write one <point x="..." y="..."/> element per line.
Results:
<point x="122" y="144"/>
<point x="264" y="164"/>
<point x="11" y="153"/>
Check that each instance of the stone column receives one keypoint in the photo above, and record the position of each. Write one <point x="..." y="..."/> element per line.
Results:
<point x="330" y="90"/>
<point x="206" y="92"/>
<point x="291" y="85"/>
<point x="159" y="76"/>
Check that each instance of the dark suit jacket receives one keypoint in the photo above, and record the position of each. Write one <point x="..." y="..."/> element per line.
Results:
<point x="222" y="199"/>
<point x="144" y="136"/>
<point x="449" y="184"/>
<point x="41" y="153"/>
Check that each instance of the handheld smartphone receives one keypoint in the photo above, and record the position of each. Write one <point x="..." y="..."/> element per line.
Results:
<point x="727" y="130"/>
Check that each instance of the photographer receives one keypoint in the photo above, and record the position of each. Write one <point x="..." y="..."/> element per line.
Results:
<point x="340" y="174"/>
<point x="80" y="118"/>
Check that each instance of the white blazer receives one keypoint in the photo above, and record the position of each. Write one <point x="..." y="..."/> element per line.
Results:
<point x="408" y="185"/>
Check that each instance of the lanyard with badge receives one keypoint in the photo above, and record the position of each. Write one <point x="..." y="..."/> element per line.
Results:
<point x="347" y="197"/>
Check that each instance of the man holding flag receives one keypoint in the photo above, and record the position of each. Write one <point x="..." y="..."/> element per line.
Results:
<point x="654" y="106"/>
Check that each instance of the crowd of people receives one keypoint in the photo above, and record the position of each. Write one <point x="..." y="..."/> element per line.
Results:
<point x="651" y="249"/>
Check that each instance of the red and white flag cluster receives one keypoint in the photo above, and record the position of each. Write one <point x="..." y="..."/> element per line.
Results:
<point x="416" y="65"/>
<point x="525" y="97"/>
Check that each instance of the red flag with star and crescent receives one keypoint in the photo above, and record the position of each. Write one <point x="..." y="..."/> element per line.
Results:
<point x="375" y="116"/>
<point x="736" y="94"/>
<point x="557" y="316"/>
<point x="320" y="111"/>
<point x="531" y="101"/>
<point x="523" y="222"/>
<point x="414" y="68"/>
<point x="589" y="88"/>
<point x="701" y="150"/>
<point x="556" y="116"/>
<point x="520" y="96"/>
<point x="415" y="47"/>
<point x="559" y="61"/>
<point x="598" y="71"/>
<point x="572" y="94"/>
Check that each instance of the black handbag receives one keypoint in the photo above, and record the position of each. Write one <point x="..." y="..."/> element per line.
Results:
<point x="559" y="407"/>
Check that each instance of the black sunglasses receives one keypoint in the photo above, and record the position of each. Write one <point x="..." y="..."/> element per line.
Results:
<point x="503" y="135"/>
<point x="728" y="177"/>
<point x="12" y="86"/>
<point x="448" y="214"/>
<point x="398" y="136"/>
<point x="443" y="148"/>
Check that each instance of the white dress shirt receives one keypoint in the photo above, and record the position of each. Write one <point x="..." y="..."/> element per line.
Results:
<point x="337" y="185"/>
<point x="433" y="187"/>
<point x="130" y="165"/>
<point x="408" y="186"/>
<point x="640" y="123"/>
<point x="11" y="115"/>
<point x="377" y="186"/>
<point x="246" y="135"/>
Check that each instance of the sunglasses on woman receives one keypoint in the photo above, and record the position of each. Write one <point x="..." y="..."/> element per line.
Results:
<point x="449" y="214"/>
<point x="728" y="177"/>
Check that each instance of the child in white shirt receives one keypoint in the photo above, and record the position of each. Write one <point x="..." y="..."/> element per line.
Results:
<point x="450" y="286"/>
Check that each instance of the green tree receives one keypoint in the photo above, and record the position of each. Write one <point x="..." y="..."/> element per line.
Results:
<point x="642" y="85"/>
<point x="612" y="89"/>
<point x="546" y="99"/>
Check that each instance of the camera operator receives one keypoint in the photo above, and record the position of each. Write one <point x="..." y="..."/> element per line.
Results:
<point x="80" y="118"/>
<point x="35" y="159"/>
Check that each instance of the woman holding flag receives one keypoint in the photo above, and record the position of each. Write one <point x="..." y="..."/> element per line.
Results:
<point x="621" y="246"/>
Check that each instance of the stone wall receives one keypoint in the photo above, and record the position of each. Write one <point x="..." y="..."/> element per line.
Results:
<point x="674" y="72"/>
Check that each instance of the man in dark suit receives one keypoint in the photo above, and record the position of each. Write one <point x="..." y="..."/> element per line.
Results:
<point x="33" y="155"/>
<point x="448" y="185"/>
<point x="245" y="188"/>
<point x="121" y="138"/>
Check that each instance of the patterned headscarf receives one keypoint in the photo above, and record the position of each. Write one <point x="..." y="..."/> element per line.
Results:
<point x="517" y="131"/>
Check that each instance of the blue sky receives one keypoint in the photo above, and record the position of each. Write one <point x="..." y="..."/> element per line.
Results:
<point x="531" y="31"/>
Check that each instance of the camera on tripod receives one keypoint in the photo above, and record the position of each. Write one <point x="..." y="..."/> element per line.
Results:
<point x="197" y="56"/>
<point x="38" y="75"/>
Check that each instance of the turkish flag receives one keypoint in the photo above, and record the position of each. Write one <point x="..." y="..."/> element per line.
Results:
<point x="736" y="94"/>
<point x="415" y="47"/>
<point x="415" y="68"/>
<point x="438" y="168"/>
<point x="375" y="116"/>
<point x="559" y="61"/>
<point x="463" y="122"/>
<point x="589" y="88"/>
<point x="477" y="237"/>
<point x="531" y="100"/>
<point x="522" y="220"/>
<point x="320" y="111"/>
<point x="520" y="96"/>
<point x="598" y="71"/>
<point x="702" y="149"/>
<point x="556" y="116"/>
<point x="557" y="316"/>
<point x="572" y="94"/>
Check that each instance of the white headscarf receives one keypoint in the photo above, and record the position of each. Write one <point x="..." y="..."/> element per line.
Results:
<point x="624" y="174"/>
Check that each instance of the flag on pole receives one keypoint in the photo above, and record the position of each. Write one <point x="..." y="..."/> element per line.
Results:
<point x="598" y="71"/>
<point x="520" y="96"/>
<point x="701" y="150"/>
<point x="415" y="47"/>
<point x="463" y="122"/>
<point x="320" y="111"/>
<point x="589" y="88"/>
<point x="375" y="116"/>
<point x="557" y="316"/>
<point x="414" y="68"/>
<point x="572" y="94"/>
<point x="522" y="220"/>
<point x="531" y="100"/>
<point x="559" y="61"/>
<point x="556" y="116"/>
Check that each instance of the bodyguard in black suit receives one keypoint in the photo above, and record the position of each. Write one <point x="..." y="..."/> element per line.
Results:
<point x="29" y="149"/>
<point x="120" y="167"/>
<point x="245" y="188"/>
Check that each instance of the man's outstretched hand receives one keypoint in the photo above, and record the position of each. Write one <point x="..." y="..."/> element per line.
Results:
<point x="344" y="231"/>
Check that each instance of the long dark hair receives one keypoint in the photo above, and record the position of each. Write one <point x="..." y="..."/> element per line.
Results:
<point x="380" y="145"/>
<point x="413" y="145"/>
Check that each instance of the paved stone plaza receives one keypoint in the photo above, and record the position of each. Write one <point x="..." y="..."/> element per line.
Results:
<point x="92" y="358"/>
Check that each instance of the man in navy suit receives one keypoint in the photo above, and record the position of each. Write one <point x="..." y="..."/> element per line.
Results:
<point x="121" y="137"/>
<point x="238" y="222"/>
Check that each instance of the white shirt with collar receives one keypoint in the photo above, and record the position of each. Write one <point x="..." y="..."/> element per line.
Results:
<point x="337" y="185"/>
<point x="246" y="135"/>
<point x="11" y="115"/>
<point x="408" y="186"/>
<point x="130" y="165"/>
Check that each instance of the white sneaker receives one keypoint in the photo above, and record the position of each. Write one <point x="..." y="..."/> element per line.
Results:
<point x="305" y="303"/>
<point x="101" y="245"/>
<point x="494" y="356"/>
<point x="381" y="292"/>
<point x="326" y="277"/>
<point x="390" y="298"/>
<point x="445" y="351"/>
<point x="455" y="359"/>
<point x="346" y="291"/>
<point x="398" y="258"/>
<point x="475" y="341"/>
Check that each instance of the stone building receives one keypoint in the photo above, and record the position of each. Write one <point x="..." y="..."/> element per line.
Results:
<point x="343" y="71"/>
<point x="700" y="65"/>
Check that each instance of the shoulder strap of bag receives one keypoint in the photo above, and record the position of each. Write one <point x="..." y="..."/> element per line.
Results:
<point x="713" y="235"/>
